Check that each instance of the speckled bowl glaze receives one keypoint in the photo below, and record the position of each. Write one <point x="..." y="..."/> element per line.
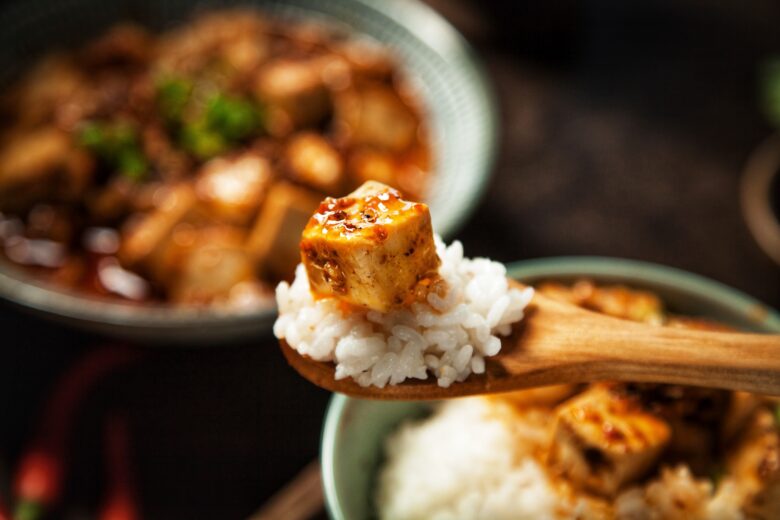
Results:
<point x="459" y="102"/>
<point x="355" y="429"/>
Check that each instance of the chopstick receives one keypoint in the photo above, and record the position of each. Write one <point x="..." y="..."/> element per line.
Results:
<point x="301" y="499"/>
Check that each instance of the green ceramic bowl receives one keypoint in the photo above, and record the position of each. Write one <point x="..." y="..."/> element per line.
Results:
<point x="354" y="429"/>
<point x="459" y="102"/>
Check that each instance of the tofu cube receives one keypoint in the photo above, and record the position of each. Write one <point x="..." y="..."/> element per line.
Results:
<point x="233" y="189"/>
<point x="211" y="266"/>
<point x="275" y="237"/>
<point x="376" y="117"/>
<point x="313" y="161"/>
<point x="371" y="249"/>
<point x="42" y="164"/>
<point x="602" y="440"/>
<point x="366" y="164"/>
<point x="294" y="93"/>
<point x="754" y="466"/>
<point x="143" y="238"/>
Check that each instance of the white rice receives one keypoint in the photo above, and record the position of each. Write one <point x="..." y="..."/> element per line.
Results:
<point x="477" y="458"/>
<point x="463" y="462"/>
<point x="448" y="337"/>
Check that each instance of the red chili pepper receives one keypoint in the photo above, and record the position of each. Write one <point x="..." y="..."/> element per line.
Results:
<point x="120" y="503"/>
<point x="38" y="480"/>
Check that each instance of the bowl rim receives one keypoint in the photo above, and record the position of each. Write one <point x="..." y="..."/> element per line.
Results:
<point x="21" y="290"/>
<point x="652" y="273"/>
<point x="762" y="167"/>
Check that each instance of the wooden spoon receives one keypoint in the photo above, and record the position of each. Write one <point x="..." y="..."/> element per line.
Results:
<point x="561" y="343"/>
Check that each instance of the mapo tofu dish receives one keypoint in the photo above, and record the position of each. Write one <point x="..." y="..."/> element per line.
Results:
<point x="181" y="167"/>
<point x="599" y="451"/>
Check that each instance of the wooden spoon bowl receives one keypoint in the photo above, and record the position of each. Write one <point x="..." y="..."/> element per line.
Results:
<point x="558" y="343"/>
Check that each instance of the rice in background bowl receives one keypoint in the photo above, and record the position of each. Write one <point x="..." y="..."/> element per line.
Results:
<point x="355" y="431"/>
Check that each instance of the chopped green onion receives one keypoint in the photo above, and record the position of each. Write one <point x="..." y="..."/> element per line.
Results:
<point x="770" y="90"/>
<point x="201" y="141"/>
<point x="209" y="124"/>
<point x="92" y="136"/>
<point x="132" y="164"/>
<point x="117" y="145"/>
<point x="173" y="95"/>
<point x="233" y="117"/>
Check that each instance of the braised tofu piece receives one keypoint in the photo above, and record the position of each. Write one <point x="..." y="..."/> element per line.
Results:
<point x="274" y="239"/>
<point x="616" y="300"/>
<point x="366" y="164"/>
<point x="676" y="494"/>
<point x="212" y="266"/>
<point x="754" y="467"/>
<point x="236" y="38"/>
<point x="312" y="160"/>
<point x="370" y="248"/>
<point x="46" y="92"/>
<point x="145" y="235"/>
<point x="686" y="322"/>
<point x="124" y="44"/>
<point x="294" y="93"/>
<point x="741" y="407"/>
<point x="543" y="396"/>
<point x="694" y="415"/>
<point x="375" y="116"/>
<point x="39" y="165"/>
<point x="366" y="57"/>
<point x="603" y="440"/>
<point x="233" y="189"/>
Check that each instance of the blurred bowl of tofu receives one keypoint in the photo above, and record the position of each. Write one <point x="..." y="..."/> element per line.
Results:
<point x="591" y="451"/>
<point x="158" y="161"/>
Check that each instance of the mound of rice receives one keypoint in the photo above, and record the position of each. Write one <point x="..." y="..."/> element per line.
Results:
<point x="448" y="337"/>
<point x="479" y="458"/>
<point x="463" y="462"/>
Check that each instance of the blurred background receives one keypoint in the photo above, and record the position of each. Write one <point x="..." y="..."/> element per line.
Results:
<point x="624" y="129"/>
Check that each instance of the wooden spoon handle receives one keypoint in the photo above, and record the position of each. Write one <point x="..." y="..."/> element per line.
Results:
<point x="585" y="346"/>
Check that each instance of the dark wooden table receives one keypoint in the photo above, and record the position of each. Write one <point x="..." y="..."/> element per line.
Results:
<point x="624" y="131"/>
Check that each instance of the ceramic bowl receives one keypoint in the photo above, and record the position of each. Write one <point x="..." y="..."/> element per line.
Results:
<point x="459" y="103"/>
<point x="355" y="429"/>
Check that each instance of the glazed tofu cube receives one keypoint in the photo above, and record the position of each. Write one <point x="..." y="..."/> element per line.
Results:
<point x="313" y="161"/>
<point x="694" y="415"/>
<point x="375" y="116"/>
<point x="212" y="266"/>
<point x="295" y="94"/>
<point x="543" y="396"/>
<point x="366" y="165"/>
<point x="603" y="440"/>
<point x="370" y="248"/>
<point x="754" y="467"/>
<point x="39" y="165"/>
<point x="741" y="407"/>
<point x="276" y="234"/>
<point x="144" y="236"/>
<point x="233" y="189"/>
<point x="616" y="300"/>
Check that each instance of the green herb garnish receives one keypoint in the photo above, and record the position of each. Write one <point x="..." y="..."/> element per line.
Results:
<point x="234" y="118"/>
<point x="201" y="141"/>
<point x="206" y="124"/>
<point x="117" y="145"/>
<point x="173" y="95"/>
<point x="770" y="90"/>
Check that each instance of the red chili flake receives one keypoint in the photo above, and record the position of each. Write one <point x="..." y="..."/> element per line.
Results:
<point x="380" y="233"/>
<point x="612" y="434"/>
